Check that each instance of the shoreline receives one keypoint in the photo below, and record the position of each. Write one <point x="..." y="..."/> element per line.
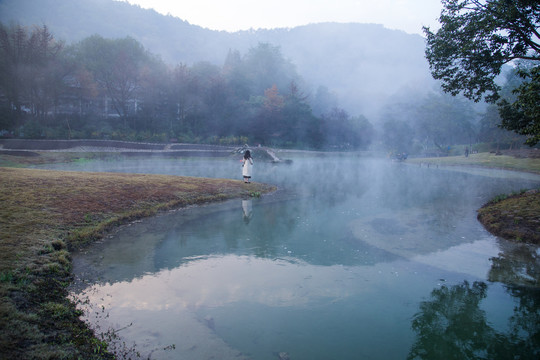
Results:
<point x="46" y="214"/>
<point x="514" y="217"/>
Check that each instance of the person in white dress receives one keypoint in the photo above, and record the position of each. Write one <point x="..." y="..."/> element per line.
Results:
<point x="247" y="166"/>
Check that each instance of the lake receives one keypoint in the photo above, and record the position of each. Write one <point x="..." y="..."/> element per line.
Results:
<point x="351" y="258"/>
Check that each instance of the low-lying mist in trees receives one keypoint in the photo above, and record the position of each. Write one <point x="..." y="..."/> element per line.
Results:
<point x="439" y="124"/>
<point x="102" y="88"/>
<point x="116" y="89"/>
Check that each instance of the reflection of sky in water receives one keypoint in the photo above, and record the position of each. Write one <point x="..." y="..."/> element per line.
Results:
<point x="334" y="265"/>
<point x="262" y="306"/>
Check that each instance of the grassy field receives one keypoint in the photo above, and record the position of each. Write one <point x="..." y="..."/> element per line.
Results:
<point x="44" y="215"/>
<point x="489" y="160"/>
<point x="515" y="216"/>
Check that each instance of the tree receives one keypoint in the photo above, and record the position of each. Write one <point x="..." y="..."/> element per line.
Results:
<point x="209" y="98"/>
<point x="523" y="115"/>
<point x="345" y="132"/>
<point x="48" y="72"/>
<point x="444" y="121"/>
<point x="299" y="125"/>
<point x="476" y="39"/>
<point x="490" y="131"/>
<point x="31" y="70"/>
<point x="273" y="102"/>
<point x="265" y="66"/>
<point x="490" y="122"/>
<point x="182" y="91"/>
<point x="14" y="59"/>
<point x="397" y="136"/>
<point x="324" y="101"/>
<point x="236" y="76"/>
<point x="152" y="115"/>
<point x="116" y="65"/>
<point x="268" y="116"/>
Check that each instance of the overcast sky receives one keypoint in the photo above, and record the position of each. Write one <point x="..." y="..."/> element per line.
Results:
<point x="234" y="15"/>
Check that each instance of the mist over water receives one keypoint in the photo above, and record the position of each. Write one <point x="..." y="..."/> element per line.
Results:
<point x="351" y="258"/>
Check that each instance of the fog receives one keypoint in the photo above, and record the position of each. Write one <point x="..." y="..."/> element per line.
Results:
<point x="345" y="246"/>
<point x="352" y="257"/>
<point x="320" y="86"/>
<point x="362" y="63"/>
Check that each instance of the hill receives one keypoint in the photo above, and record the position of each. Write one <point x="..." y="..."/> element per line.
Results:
<point x="363" y="65"/>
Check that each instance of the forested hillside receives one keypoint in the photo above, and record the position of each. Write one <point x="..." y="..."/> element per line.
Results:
<point x="107" y="69"/>
<point x="360" y="64"/>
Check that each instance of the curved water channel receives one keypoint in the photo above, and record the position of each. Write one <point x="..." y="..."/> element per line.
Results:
<point x="351" y="258"/>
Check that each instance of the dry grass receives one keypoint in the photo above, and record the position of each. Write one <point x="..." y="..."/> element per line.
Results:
<point x="46" y="213"/>
<point x="516" y="217"/>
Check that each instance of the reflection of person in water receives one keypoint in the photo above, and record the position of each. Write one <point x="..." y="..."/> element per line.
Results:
<point x="247" y="208"/>
<point x="246" y="166"/>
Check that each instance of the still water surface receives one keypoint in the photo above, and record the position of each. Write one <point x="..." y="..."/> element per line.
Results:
<point x="351" y="258"/>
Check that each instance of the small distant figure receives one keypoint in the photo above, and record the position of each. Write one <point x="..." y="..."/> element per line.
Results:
<point x="247" y="165"/>
<point x="467" y="152"/>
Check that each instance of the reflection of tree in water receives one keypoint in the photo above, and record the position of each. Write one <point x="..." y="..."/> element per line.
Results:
<point x="517" y="264"/>
<point x="453" y="326"/>
<point x="526" y="320"/>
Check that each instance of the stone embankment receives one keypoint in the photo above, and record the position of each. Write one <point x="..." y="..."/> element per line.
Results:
<point x="124" y="147"/>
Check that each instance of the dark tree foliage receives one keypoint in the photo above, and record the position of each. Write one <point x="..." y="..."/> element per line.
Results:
<point x="453" y="324"/>
<point x="523" y="115"/>
<point x="342" y="131"/>
<point x="475" y="40"/>
<point x="117" y="67"/>
<point x="432" y="124"/>
<point x="443" y="121"/>
<point x="397" y="136"/>
<point x="31" y="72"/>
<point x="491" y="132"/>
